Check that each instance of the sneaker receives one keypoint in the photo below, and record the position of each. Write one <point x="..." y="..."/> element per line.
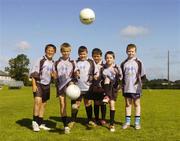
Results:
<point x="35" y="126"/>
<point x="66" y="130"/>
<point x="125" y="126"/>
<point x="71" y="124"/>
<point x="105" y="100"/>
<point x="42" y="126"/>
<point x="92" y="124"/>
<point x="137" y="126"/>
<point x="112" y="128"/>
<point x="103" y="122"/>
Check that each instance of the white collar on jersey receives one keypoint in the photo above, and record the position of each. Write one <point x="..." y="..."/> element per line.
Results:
<point x="68" y="59"/>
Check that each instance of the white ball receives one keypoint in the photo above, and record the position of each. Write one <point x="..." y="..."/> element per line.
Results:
<point x="73" y="91"/>
<point x="87" y="16"/>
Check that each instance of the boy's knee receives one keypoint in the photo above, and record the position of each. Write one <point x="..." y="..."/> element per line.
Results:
<point x="38" y="103"/>
<point x="88" y="104"/>
<point x="136" y="104"/>
<point x="75" y="106"/>
<point x="128" y="105"/>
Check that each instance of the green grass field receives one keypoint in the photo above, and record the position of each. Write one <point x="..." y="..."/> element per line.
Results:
<point x="160" y="119"/>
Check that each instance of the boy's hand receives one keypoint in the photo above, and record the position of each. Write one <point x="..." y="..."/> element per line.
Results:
<point x="71" y="83"/>
<point x="96" y="76"/>
<point x="77" y="73"/>
<point x="54" y="75"/>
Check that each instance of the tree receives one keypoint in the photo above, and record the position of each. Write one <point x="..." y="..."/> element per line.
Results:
<point x="18" y="68"/>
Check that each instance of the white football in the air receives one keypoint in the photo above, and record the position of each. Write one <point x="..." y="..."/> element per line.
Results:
<point x="87" y="16"/>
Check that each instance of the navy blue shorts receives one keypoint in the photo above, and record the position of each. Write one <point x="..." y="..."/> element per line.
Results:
<point x="43" y="92"/>
<point x="62" y="91"/>
<point x="98" y="96"/>
<point x="132" y="95"/>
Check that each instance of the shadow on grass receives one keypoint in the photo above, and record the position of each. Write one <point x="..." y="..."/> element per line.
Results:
<point x="82" y="121"/>
<point x="26" y="122"/>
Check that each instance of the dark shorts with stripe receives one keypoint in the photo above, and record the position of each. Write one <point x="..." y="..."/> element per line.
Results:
<point x="132" y="95"/>
<point x="97" y="93"/>
<point x="43" y="92"/>
<point x="98" y="96"/>
<point x="113" y="95"/>
<point x="86" y="95"/>
<point x="62" y="91"/>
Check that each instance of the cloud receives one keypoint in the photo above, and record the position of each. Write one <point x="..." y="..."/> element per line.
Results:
<point x="134" y="31"/>
<point x="23" y="45"/>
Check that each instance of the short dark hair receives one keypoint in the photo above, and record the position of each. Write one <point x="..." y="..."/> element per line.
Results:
<point x="96" y="51"/>
<point x="129" y="46"/>
<point x="82" y="49"/>
<point x="50" y="45"/>
<point x="111" y="53"/>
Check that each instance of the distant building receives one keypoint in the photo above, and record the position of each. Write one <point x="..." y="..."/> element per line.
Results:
<point x="4" y="77"/>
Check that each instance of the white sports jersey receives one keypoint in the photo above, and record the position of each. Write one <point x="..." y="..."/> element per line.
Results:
<point x="112" y="72"/>
<point x="132" y="74"/>
<point x="46" y="69"/>
<point x="87" y="70"/>
<point x="98" y="74"/>
<point x="65" y="71"/>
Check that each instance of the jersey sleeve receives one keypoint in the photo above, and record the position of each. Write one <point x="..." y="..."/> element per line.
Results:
<point x="53" y="67"/>
<point x="143" y="73"/>
<point x="120" y="72"/>
<point x="34" y="72"/>
<point x="96" y="71"/>
<point x="75" y="66"/>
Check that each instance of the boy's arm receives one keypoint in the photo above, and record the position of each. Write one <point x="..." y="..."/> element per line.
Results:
<point x="34" y="73"/>
<point x="54" y="72"/>
<point x="34" y="86"/>
<point x="144" y="78"/>
<point x="143" y="74"/>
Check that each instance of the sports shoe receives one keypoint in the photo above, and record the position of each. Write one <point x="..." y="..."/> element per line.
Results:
<point x="112" y="128"/>
<point x="71" y="124"/>
<point x="35" y="126"/>
<point x="125" y="126"/>
<point x="66" y="130"/>
<point x="105" y="100"/>
<point x="92" y="124"/>
<point x="137" y="126"/>
<point x="102" y="122"/>
<point x="42" y="126"/>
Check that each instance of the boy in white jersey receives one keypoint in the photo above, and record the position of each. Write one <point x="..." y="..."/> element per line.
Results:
<point x="85" y="74"/>
<point x="96" y="88"/>
<point x="64" y="68"/>
<point x="111" y="75"/>
<point x="41" y="74"/>
<point x="133" y="74"/>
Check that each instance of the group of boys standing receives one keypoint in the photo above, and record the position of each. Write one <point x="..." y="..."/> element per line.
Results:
<point x="98" y="82"/>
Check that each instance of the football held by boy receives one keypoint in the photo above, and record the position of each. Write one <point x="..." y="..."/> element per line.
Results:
<point x="64" y="68"/>
<point x="84" y="74"/>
